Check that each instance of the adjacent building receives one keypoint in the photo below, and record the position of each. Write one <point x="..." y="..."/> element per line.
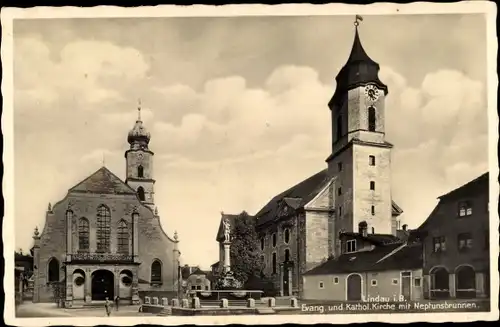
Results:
<point x="299" y="227"/>
<point x="104" y="238"/>
<point x="371" y="267"/>
<point x="456" y="245"/>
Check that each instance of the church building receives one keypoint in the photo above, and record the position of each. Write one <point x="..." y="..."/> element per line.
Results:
<point x="104" y="238"/>
<point x="300" y="228"/>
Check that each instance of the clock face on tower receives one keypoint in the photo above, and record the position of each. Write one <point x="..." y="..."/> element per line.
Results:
<point x="372" y="92"/>
<point x="140" y="156"/>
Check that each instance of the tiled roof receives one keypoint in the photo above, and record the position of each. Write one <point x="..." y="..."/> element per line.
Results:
<point x="479" y="184"/>
<point x="375" y="238"/>
<point x="103" y="181"/>
<point x="396" y="256"/>
<point x="198" y="271"/>
<point x="299" y="195"/>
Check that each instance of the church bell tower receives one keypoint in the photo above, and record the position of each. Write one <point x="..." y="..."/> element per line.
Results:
<point x="360" y="157"/>
<point x="139" y="161"/>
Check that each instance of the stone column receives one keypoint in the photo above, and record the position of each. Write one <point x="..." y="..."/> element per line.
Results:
<point x="69" y="287"/>
<point x="290" y="281"/>
<point x="36" y="266"/>
<point x="135" y="234"/>
<point x="69" y="234"/>
<point x="281" y="279"/>
<point x="88" y="286"/>
<point x="135" y="288"/>
<point x="453" y="293"/>
<point x="117" y="283"/>
<point x="227" y="257"/>
<point x="480" y="292"/>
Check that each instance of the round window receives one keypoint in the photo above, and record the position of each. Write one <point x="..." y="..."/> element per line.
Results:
<point x="126" y="280"/>
<point x="79" y="281"/>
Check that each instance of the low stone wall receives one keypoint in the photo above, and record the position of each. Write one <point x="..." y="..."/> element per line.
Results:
<point x="159" y="294"/>
<point x="213" y="311"/>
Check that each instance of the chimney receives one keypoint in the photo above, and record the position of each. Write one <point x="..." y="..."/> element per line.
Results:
<point x="363" y="228"/>
<point x="405" y="227"/>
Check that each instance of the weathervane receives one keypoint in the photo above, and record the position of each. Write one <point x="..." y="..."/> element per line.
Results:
<point x="358" y="19"/>
<point x="139" y="110"/>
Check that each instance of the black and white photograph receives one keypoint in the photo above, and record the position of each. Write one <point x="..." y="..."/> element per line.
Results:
<point x="300" y="163"/>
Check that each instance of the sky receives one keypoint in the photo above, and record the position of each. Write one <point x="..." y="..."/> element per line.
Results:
<point x="237" y="109"/>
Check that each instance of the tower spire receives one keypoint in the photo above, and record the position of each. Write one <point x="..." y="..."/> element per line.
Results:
<point x="139" y="110"/>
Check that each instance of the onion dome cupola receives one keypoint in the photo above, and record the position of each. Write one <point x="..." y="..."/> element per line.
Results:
<point x="139" y="136"/>
<point x="359" y="70"/>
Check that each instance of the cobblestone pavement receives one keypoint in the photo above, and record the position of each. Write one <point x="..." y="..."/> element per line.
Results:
<point x="29" y="310"/>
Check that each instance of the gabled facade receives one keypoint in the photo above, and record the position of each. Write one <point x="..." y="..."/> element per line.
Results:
<point x="456" y="244"/>
<point x="105" y="239"/>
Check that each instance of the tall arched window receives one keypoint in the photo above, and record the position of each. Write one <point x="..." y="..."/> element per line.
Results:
<point x="274" y="263"/>
<point x="274" y="240"/>
<point x="123" y="237"/>
<point x="140" y="193"/>
<point x="262" y="243"/>
<point x="140" y="171"/>
<point x="83" y="234"/>
<point x="287" y="255"/>
<point x="53" y="270"/>
<point x="156" y="272"/>
<point x="372" y="119"/>
<point x="103" y="228"/>
<point x="287" y="235"/>
<point x="339" y="127"/>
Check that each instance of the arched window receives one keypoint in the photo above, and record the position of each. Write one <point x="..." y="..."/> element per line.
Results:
<point x="274" y="263"/>
<point x="287" y="235"/>
<point x="372" y="119"/>
<point x="274" y="240"/>
<point x="83" y="234"/>
<point x="123" y="236"/>
<point x="53" y="270"/>
<point x="287" y="255"/>
<point x="103" y="228"/>
<point x="140" y="193"/>
<point x="140" y="171"/>
<point x="339" y="127"/>
<point x="262" y="243"/>
<point x="156" y="272"/>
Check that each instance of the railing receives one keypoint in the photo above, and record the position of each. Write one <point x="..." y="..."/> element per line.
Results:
<point x="101" y="257"/>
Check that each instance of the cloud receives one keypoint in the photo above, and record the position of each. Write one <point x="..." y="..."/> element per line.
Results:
<point x="229" y="144"/>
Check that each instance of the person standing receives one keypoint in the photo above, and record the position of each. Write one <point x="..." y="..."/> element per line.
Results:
<point x="107" y="307"/>
<point x="117" y="302"/>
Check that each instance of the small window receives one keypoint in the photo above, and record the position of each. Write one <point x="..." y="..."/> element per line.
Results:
<point x="339" y="191"/>
<point x="464" y="209"/>
<point x="351" y="246"/>
<point x="464" y="241"/>
<point x="274" y="240"/>
<point x="371" y="160"/>
<point x="374" y="282"/>
<point x="339" y="166"/>
<point x="372" y="120"/>
<point x="321" y="285"/>
<point x="206" y="288"/>
<point x="262" y="243"/>
<point x="274" y="263"/>
<point x="287" y="255"/>
<point x="395" y="281"/>
<point x="439" y="244"/>
<point x="140" y="171"/>
<point x="335" y="280"/>
<point x="198" y="287"/>
<point x="141" y="194"/>
<point x="373" y="210"/>
<point x="417" y="282"/>
<point x="340" y="211"/>
<point x="372" y="186"/>
<point x="287" y="235"/>
<point x="193" y="287"/>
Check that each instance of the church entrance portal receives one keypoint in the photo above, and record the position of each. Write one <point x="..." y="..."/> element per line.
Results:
<point x="103" y="285"/>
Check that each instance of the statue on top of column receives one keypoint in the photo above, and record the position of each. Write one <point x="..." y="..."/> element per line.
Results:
<point x="227" y="230"/>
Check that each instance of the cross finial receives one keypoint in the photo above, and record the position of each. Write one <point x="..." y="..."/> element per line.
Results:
<point x="103" y="159"/>
<point x="139" y="110"/>
<point x="358" y="19"/>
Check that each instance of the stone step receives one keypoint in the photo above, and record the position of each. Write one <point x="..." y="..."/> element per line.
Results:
<point x="265" y="311"/>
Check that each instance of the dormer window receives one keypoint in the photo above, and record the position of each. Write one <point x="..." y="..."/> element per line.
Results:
<point x="350" y="246"/>
<point x="464" y="208"/>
